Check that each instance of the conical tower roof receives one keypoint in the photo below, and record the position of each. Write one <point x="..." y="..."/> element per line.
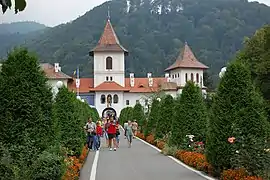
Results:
<point x="186" y="59"/>
<point x="108" y="41"/>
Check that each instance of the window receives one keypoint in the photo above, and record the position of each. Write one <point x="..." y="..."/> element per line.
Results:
<point x="102" y="99"/>
<point x="191" y="76"/>
<point x="115" y="99"/>
<point x="178" y="75"/>
<point x="186" y="77"/>
<point x="197" y="77"/>
<point x="107" y="78"/>
<point x="109" y="63"/>
<point x="127" y="102"/>
<point x="137" y="101"/>
<point x="111" y="78"/>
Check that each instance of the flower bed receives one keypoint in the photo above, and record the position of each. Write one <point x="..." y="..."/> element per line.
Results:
<point x="74" y="165"/>
<point x="140" y="135"/>
<point x="237" y="174"/>
<point x="151" y="139"/>
<point x="160" y="144"/>
<point x="194" y="159"/>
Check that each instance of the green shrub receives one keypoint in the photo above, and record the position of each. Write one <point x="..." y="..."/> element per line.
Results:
<point x="48" y="166"/>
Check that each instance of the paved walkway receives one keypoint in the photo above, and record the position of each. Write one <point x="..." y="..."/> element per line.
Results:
<point x="140" y="162"/>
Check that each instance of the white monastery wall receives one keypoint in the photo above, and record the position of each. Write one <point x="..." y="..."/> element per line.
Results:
<point x="117" y="73"/>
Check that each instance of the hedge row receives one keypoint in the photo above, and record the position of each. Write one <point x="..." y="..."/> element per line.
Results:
<point x="40" y="137"/>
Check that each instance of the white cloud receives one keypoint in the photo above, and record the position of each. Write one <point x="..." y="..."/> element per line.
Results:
<point x="54" y="12"/>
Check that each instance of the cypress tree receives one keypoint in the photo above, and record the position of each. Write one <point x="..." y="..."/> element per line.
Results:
<point x="138" y="115"/>
<point x="70" y="123"/>
<point x="190" y="117"/>
<point x="153" y="118"/>
<point x="238" y="112"/>
<point x="25" y="102"/>
<point x="166" y="117"/>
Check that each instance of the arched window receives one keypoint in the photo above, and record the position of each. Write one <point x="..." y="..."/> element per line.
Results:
<point x="197" y="77"/>
<point x="115" y="99"/>
<point x="186" y="77"/>
<point x="109" y="62"/>
<point x="191" y="77"/>
<point x="102" y="99"/>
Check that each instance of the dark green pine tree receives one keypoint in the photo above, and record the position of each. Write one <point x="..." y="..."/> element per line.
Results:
<point x="25" y="102"/>
<point x="138" y="115"/>
<point x="238" y="112"/>
<point x="153" y="118"/>
<point x="166" y="117"/>
<point x="190" y="117"/>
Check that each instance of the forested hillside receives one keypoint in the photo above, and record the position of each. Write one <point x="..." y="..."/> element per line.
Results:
<point x="154" y="31"/>
<point x="20" y="27"/>
<point x="16" y="33"/>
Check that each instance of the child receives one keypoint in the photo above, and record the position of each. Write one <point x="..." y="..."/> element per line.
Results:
<point x="99" y="131"/>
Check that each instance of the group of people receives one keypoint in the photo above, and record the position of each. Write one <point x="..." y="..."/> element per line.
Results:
<point x="110" y="129"/>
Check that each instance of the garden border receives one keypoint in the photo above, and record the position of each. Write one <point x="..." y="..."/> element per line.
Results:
<point x="178" y="161"/>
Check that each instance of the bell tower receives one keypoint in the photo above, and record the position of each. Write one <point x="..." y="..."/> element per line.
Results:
<point x="109" y="58"/>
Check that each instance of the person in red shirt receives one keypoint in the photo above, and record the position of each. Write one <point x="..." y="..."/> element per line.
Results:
<point x="99" y="132"/>
<point x="112" y="134"/>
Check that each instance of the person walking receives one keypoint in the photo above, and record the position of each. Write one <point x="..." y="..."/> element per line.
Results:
<point x="134" y="128"/>
<point x="125" y="128"/>
<point x="129" y="133"/>
<point x="117" y="135"/>
<point x="106" y="127"/>
<point x="90" y="128"/>
<point x="99" y="134"/>
<point x="112" y="134"/>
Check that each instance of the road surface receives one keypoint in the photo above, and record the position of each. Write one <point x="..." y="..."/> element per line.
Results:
<point x="140" y="162"/>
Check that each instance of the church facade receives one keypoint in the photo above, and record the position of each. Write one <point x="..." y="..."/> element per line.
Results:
<point x="110" y="91"/>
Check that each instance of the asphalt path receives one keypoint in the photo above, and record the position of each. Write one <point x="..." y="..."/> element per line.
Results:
<point x="140" y="162"/>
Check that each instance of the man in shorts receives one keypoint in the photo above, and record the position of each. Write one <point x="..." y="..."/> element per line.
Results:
<point x="112" y="134"/>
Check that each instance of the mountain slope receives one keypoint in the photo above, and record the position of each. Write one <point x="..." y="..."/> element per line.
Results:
<point x="12" y="34"/>
<point x="154" y="32"/>
<point x="20" y="27"/>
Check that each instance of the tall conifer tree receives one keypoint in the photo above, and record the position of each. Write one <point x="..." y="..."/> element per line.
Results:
<point x="190" y="117"/>
<point x="238" y="112"/>
<point x="166" y="116"/>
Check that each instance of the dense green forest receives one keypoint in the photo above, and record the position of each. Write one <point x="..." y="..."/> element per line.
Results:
<point x="154" y="31"/>
<point x="16" y="33"/>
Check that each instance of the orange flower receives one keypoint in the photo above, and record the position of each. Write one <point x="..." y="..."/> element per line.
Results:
<point x="150" y="139"/>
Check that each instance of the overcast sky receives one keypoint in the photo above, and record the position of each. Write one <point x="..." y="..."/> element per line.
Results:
<point x="43" y="12"/>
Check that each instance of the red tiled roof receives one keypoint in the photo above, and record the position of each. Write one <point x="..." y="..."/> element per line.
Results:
<point x="186" y="59"/>
<point x="51" y="74"/>
<point x="109" y="86"/>
<point x="108" y="41"/>
<point x="86" y="84"/>
<point x="140" y="85"/>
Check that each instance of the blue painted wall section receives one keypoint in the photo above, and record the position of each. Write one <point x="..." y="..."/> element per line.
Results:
<point x="89" y="98"/>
